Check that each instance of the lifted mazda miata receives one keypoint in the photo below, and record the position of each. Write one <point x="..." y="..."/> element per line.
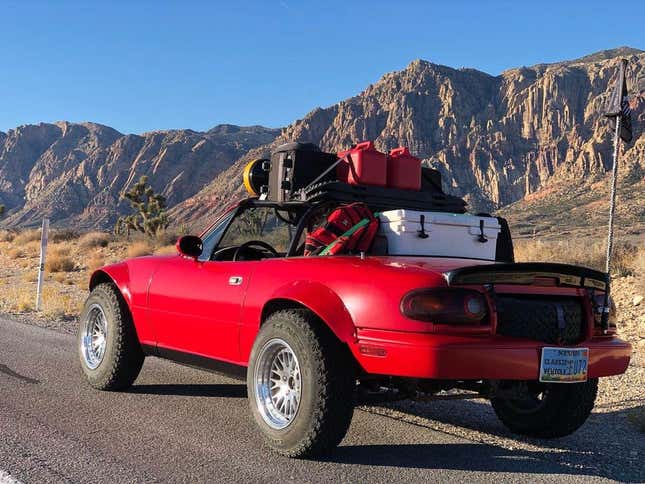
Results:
<point x="314" y="333"/>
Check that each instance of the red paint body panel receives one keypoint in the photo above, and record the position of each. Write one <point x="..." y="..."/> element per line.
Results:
<point x="195" y="309"/>
<point x="182" y="304"/>
<point x="476" y="357"/>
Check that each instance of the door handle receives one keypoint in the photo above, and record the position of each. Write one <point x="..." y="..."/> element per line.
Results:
<point x="235" y="280"/>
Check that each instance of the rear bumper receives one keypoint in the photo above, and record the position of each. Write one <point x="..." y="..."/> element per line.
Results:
<point x="422" y="355"/>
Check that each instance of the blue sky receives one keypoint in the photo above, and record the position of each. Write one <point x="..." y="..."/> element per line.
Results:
<point x="140" y="66"/>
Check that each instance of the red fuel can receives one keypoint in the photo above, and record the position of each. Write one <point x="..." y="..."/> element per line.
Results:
<point x="403" y="170"/>
<point x="363" y="165"/>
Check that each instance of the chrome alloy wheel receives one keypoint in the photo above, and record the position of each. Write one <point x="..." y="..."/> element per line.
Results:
<point x="278" y="386"/>
<point x="94" y="338"/>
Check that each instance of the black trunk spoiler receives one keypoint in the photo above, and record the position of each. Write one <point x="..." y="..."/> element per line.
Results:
<point x="526" y="273"/>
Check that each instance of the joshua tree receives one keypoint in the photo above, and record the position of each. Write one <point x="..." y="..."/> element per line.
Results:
<point x="149" y="208"/>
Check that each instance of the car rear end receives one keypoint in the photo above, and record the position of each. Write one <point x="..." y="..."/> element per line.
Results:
<point x="502" y="322"/>
<point x="530" y="337"/>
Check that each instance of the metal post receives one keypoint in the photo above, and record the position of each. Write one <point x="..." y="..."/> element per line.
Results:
<point x="41" y="266"/>
<point x="610" y="232"/>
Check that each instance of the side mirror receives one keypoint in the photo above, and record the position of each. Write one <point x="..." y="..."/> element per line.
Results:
<point x="190" y="246"/>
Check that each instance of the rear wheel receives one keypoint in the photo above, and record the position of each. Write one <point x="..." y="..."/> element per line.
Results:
<point x="109" y="350"/>
<point x="544" y="410"/>
<point x="300" y="384"/>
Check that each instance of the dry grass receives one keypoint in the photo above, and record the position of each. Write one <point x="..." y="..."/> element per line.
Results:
<point x="7" y="235"/>
<point x="166" y="250"/>
<point x="57" y="304"/>
<point x="26" y="236"/>
<point x="30" y="276"/>
<point x="62" y="249"/>
<point x="139" y="248"/>
<point x="627" y="258"/>
<point x="17" y="298"/>
<point x="639" y="269"/>
<point x="16" y="253"/>
<point x="95" y="261"/>
<point x="59" y="262"/>
<point x="32" y="248"/>
<point x="94" y="239"/>
<point x="60" y="277"/>
<point x="165" y="237"/>
<point x="63" y="235"/>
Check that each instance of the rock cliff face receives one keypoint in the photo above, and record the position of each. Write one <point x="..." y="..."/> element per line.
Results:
<point x="75" y="173"/>
<point x="496" y="140"/>
<point x="499" y="141"/>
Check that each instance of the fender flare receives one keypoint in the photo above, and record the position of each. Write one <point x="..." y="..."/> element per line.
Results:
<point x="119" y="275"/>
<point x="323" y="302"/>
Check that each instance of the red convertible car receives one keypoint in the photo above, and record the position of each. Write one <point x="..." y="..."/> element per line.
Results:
<point x="314" y="333"/>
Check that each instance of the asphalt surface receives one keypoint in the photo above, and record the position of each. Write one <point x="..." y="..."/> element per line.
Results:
<point x="182" y="424"/>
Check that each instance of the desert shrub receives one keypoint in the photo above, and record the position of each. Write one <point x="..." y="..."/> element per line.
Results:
<point x="25" y="301"/>
<point x="25" y="236"/>
<point x="166" y="250"/>
<point x="60" y="277"/>
<point x="166" y="237"/>
<point x="139" y="248"/>
<point x="61" y="249"/>
<point x="30" y="276"/>
<point x="7" y="235"/>
<point x="63" y="235"/>
<point x="16" y="253"/>
<point x="57" y="262"/>
<point x="58" y="305"/>
<point x="94" y="239"/>
<point x="32" y="248"/>
<point x="95" y="261"/>
<point x="637" y="267"/>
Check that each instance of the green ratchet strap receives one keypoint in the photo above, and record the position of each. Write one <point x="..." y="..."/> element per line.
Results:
<point x="351" y="231"/>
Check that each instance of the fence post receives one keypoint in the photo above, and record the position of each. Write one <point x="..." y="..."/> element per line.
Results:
<point x="41" y="267"/>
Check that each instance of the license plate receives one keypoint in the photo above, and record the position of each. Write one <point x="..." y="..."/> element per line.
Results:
<point x="564" y="365"/>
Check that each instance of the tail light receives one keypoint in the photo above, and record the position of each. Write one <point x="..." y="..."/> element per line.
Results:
<point x="445" y="306"/>
<point x="598" y="303"/>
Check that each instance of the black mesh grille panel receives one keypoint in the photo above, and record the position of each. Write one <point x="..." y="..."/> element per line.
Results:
<point x="550" y="319"/>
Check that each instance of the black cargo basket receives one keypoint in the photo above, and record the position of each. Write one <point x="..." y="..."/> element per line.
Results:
<point x="380" y="198"/>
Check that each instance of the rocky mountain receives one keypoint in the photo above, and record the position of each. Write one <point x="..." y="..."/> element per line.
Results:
<point x="75" y="173"/>
<point x="530" y="141"/>
<point x="496" y="139"/>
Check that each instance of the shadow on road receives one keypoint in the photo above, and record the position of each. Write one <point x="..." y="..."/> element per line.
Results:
<point x="607" y="445"/>
<point x="471" y="457"/>
<point x="204" y="390"/>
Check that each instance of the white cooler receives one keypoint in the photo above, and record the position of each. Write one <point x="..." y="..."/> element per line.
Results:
<point x="411" y="232"/>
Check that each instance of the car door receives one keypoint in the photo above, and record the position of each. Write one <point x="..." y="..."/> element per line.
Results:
<point x="195" y="306"/>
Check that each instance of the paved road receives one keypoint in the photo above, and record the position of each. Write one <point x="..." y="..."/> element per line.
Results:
<point x="181" y="424"/>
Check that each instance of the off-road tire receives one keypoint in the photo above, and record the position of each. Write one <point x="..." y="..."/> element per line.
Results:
<point x="564" y="409"/>
<point x="123" y="356"/>
<point x="328" y="385"/>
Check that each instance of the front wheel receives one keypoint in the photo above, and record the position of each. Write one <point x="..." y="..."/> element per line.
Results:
<point x="300" y="385"/>
<point x="109" y="350"/>
<point x="544" y="410"/>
